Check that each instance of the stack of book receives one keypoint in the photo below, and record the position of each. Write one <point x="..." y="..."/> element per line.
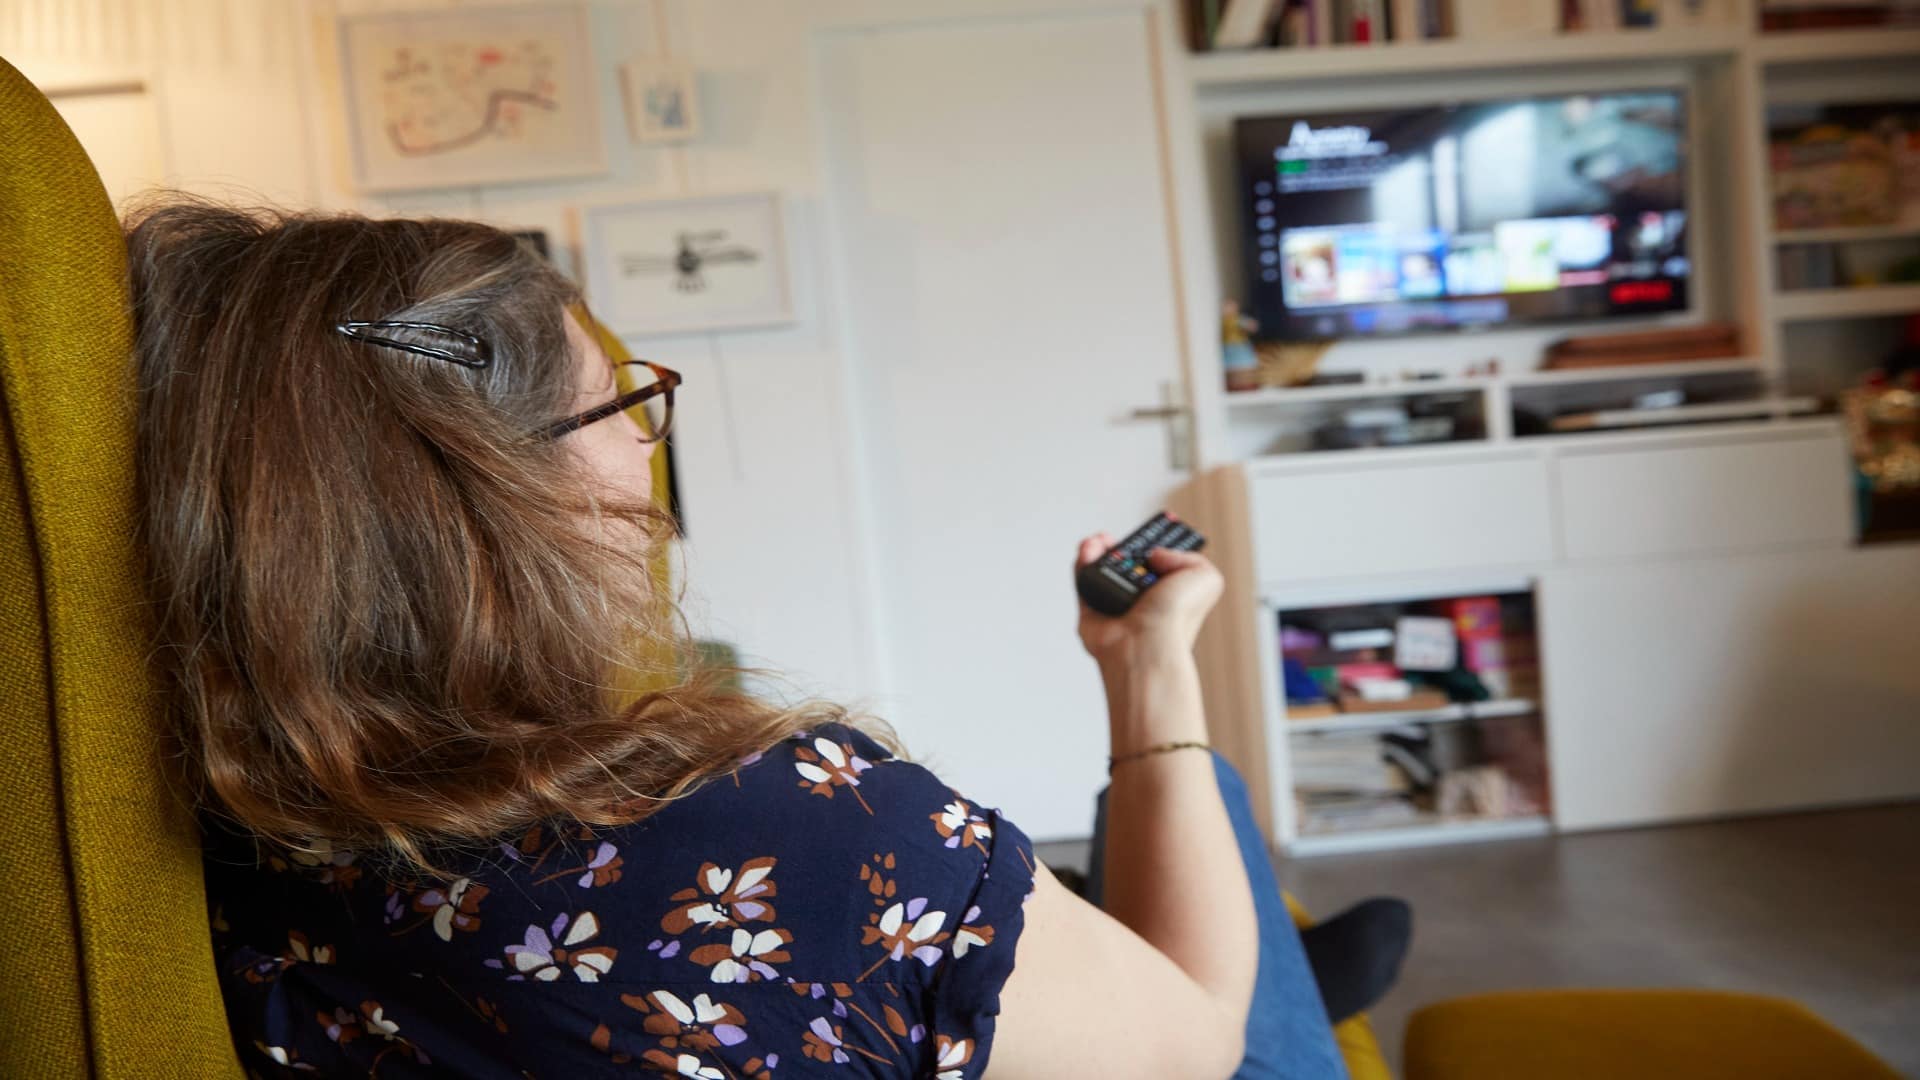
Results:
<point x="1254" y="24"/>
<point x="1344" y="781"/>
<point x="1837" y="14"/>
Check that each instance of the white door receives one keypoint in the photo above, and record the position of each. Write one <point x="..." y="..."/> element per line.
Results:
<point x="1001" y="230"/>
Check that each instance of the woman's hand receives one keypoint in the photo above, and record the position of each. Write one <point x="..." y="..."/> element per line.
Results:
<point x="1167" y="616"/>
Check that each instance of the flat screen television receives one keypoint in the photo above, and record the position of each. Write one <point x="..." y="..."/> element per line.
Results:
<point x="1441" y="217"/>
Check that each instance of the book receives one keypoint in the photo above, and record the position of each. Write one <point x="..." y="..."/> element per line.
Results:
<point x="1404" y="20"/>
<point x="1243" y="24"/>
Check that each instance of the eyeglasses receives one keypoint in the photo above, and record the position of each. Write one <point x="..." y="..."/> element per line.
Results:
<point x="655" y="396"/>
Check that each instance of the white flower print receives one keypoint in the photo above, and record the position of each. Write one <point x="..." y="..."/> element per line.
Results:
<point x="378" y="1024"/>
<point x="950" y="1056"/>
<point x="688" y="1065"/>
<point x="747" y="957"/>
<point x="541" y="959"/>
<point x="961" y="826"/>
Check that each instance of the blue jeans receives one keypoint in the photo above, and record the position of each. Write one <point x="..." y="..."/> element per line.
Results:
<point x="1289" y="1036"/>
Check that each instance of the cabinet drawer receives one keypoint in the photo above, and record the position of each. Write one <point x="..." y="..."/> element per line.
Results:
<point x="1486" y="510"/>
<point x="1732" y="496"/>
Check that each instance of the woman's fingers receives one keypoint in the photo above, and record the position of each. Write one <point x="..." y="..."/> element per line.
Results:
<point x="1090" y="550"/>
<point x="1166" y="561"/>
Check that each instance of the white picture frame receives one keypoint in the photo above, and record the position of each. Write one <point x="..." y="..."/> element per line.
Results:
<point x="470" y="96"/>
<point x="681" y="266"/>
<point x="662" y="100"/>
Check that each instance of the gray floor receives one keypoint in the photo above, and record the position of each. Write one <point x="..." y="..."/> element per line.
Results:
<point x="1823" y="908"/>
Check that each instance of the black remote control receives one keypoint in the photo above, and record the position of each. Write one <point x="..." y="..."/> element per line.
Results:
<point x="1111" y="583"/>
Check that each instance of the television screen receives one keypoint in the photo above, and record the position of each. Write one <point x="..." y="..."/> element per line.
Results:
<point x="1448" y="216"/>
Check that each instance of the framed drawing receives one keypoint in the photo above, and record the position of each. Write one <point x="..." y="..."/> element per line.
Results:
<point x="470" y="95"/>
<point x="685" y="265"/>
<point x="661" y="103"/>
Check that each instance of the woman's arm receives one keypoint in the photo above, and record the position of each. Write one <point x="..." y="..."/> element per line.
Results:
<point x="1159" y="983"/>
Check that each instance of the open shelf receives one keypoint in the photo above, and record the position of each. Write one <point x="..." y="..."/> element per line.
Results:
<point x="1848" y="234"/>
<point x="1867" y="301"/>
<point x="1432" y="829"/>
<point x="1479" y="710"/>
<point x="1272" y="397"/>
<point x="1783" y="47"/>
<point x="1267" y="66"/>
<point x="1296" y="395"/>
<point x="1629" y="372"/>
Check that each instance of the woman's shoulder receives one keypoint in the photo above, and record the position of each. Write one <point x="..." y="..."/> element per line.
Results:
<point x="821" y="874"/>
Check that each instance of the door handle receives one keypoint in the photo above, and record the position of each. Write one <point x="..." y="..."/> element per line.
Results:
<point x="1178" y="416"/>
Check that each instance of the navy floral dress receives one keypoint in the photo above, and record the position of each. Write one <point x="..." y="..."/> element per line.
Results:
<point x="823" y="910"/>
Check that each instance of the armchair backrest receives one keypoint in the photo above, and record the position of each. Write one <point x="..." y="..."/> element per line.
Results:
<point x="105" y="964"/>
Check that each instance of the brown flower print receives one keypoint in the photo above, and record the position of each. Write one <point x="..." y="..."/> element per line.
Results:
<point x="305" y="952"/>
<point x="681" y="1065"/>
<point x="724" y="898"/>
<point x="746" y="957"/>
<point x="972" y="934"/>
<point x="824" y="1042"/>
<point x="844" y="1006"/>
<point x="698" y="1025"/>
<point x="377" y="1024"/>
<point x="601" y="868"/>
<point x="879" y="886"/>
<point x="456" y="907"/>
<point x="549" y="952"/>
<point x="961" y="826"/>
<point x="487" y="1011"/>
<point x="827" y="765"/>
<point x="283" y="1057"/>
<point x="342" y="1025"/>
<point x="950" y="1056"/>
<point x="905" y="929"/>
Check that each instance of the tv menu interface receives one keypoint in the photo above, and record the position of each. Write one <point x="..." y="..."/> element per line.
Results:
<point x="1466" y="215"/>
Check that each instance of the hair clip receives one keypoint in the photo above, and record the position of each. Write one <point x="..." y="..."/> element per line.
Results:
<point x="480" y="357"/>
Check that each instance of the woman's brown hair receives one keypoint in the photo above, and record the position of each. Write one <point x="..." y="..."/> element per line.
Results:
<point x="388" y="617"/>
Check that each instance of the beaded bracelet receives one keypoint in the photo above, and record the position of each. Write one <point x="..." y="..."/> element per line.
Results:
<point x="1158" y="748"/>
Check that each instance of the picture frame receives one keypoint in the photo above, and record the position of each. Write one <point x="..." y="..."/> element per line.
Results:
<point x="470" y="96"/>
<point x="662" y="100"/>
<point x="687" y="265"/>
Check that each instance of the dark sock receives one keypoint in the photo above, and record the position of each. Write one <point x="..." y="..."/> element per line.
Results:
<point x="1356" y="955"/>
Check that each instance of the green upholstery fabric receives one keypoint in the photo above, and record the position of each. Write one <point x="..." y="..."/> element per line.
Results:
<point x="1610" y="1034"/>
<point x="105" y="964"/>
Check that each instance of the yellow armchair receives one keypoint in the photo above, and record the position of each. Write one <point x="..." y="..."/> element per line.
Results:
<point x="105" y="964"/>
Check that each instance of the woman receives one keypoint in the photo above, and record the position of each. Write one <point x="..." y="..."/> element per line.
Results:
<point x="474" y="809"/>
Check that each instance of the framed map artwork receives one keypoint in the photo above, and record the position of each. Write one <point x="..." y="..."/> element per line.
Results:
<point x="470" y="95"/>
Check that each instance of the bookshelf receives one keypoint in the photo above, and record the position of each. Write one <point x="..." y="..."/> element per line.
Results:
<point x="1783" y="48"/>
<point x="1848" y="234"/>
<point x="1664" y="562"/>
<point x="1222" y="69"/>
<point x="1433" y="829"/>
<point x="1867" y="301"/>
<point x="1478" y="710"/>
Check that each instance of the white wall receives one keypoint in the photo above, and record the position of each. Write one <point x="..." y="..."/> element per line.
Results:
<point x="239" y="95"/>
<point x="782" y="556"/>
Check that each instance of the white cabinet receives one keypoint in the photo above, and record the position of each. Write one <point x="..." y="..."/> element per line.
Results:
<point x="1330" y="520"/>
<point x="1726" y="685"/>
<point x="1711" y="640"/>
<point x="1686" y="495"/>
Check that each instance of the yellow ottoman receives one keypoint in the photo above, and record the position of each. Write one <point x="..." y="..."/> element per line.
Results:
<point x="1580" y="1034"/>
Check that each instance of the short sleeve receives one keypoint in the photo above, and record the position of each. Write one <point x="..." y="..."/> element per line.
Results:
<point x="966" y="993"/>
<point x="987" y="874"/>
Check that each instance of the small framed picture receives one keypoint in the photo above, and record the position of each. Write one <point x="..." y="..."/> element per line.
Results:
<point x="662" y="100"/>
<point x="470" y="95"/>
<point x="679" y="266"/>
